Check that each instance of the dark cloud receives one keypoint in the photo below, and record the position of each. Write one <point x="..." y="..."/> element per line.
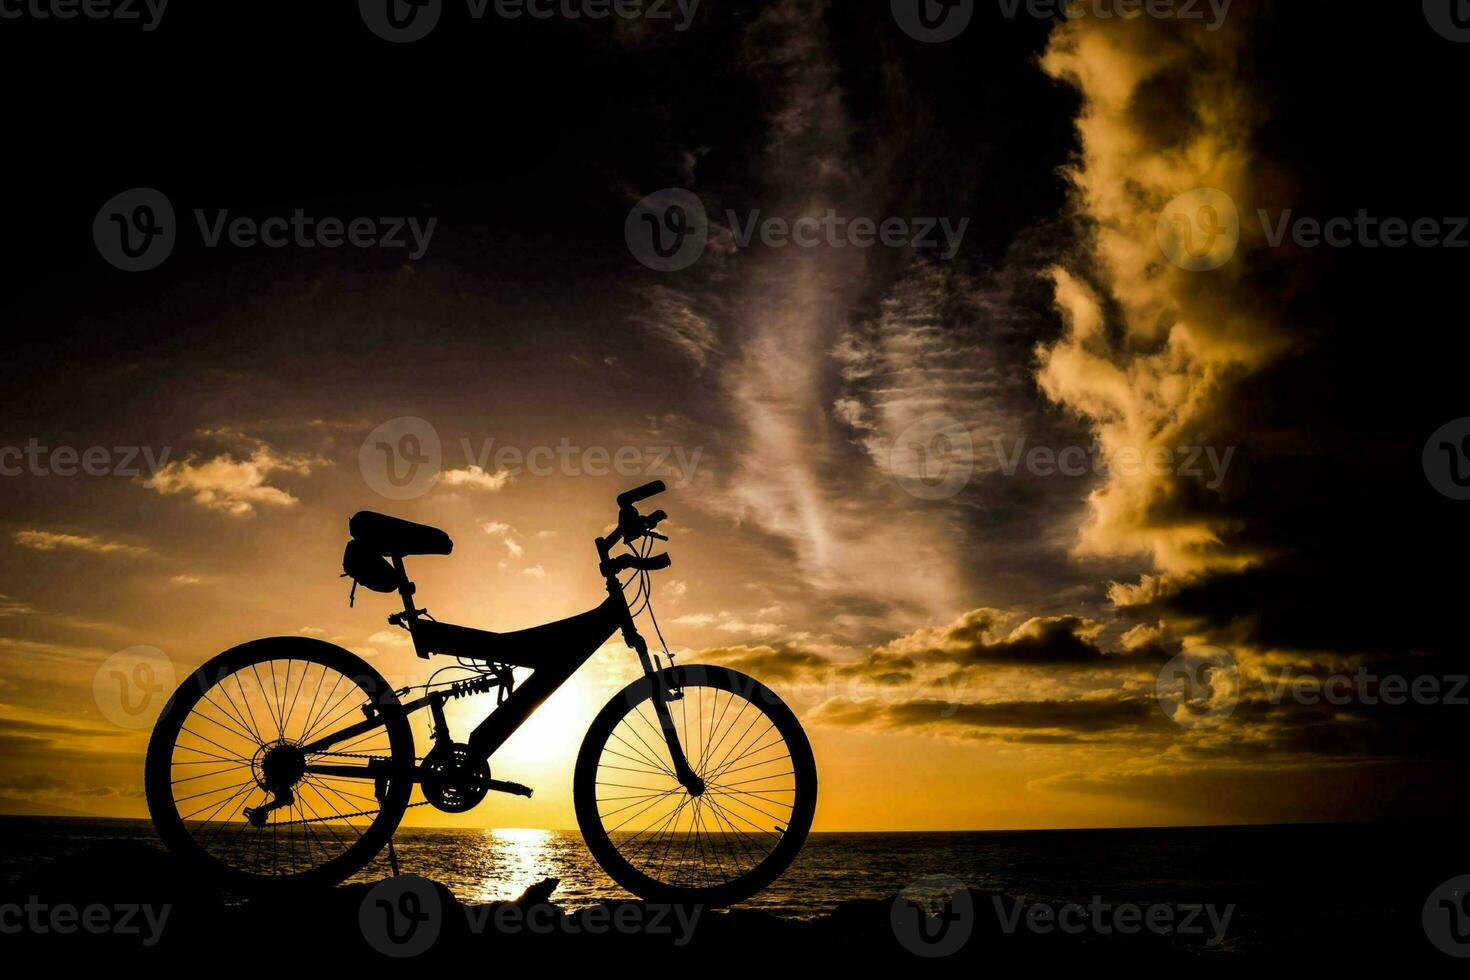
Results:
<point x="1074" y="718"/>
<point x="992" y="637"/>
<point x="785" y="663"/>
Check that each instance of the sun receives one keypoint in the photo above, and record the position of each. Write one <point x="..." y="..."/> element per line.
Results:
<point x="551" y="736"/>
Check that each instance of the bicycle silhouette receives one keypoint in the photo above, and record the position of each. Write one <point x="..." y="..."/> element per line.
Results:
<point x="290" y="761"/>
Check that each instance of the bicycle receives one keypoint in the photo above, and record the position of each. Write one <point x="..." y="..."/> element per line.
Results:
<point x="289" y="761"/>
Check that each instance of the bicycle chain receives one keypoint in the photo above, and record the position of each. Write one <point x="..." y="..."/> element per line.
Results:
<point x="337" y="817"/>
<point x="346" y="816"/>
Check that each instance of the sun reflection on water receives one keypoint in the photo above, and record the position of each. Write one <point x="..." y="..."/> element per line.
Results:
<point x="510" y="860"/>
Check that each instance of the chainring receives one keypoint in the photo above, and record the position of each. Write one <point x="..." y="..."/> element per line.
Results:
<point x="452" y="779"/>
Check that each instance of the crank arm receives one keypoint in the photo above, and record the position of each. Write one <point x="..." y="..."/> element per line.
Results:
<point x="515" y="789"/>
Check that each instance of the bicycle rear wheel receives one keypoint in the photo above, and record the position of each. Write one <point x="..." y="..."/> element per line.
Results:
<point x="233" y="736"/>
<point x="726" y="844"/>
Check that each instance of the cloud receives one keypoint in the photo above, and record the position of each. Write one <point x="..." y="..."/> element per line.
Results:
<point x="933" y="350"/>
<point x="727" y="622"/>
<point x="65" y="657"/>
<point x="673" y="320"/>
<point x="11" y="606"/>
<point x="1151" y="352"/>
<point x="473" y="477"/>
<point x="507" y="536"/>
<point x="234" y="486"/>
<point x="1059" y="721"/>
<point x="785" y="663"/>
<point x="55" y="541"/>
<point x="1284" y="562"/>
<point x="794" y="474"/>
<point x="988" y="669"/>
<point x="1271" y="790"/>
<point x="21" y="726"/>
<point x="992" y="636"/>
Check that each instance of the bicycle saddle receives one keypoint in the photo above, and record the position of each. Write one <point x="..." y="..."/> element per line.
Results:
<point x="392" y="536"/>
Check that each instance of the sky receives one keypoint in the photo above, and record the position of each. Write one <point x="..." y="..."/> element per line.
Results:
<point x="974" y="636"/>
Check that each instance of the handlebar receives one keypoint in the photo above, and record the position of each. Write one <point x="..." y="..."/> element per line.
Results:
<point x="631" y="527"/>
<point x="641" y="493"/>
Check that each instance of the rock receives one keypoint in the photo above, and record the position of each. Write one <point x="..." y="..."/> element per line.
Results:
<point x="367" y="923"/>
<point x="112" y="899"/>
<point x="539" y="892"/>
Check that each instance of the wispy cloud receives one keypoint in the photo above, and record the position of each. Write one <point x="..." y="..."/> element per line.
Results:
<point x="795" y="474"/>
<point x="934" y="350"/>
<point x="11" y="606"/>
<point x="56" y="541"/>
<point x="727" y="622"/>
<point x="672" y="318"/>
<point x="507" y="536"/>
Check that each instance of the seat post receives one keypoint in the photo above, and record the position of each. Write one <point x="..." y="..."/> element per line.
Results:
<point x="406" y="590"/>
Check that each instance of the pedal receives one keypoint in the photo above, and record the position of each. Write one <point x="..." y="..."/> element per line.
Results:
<point x="515" y="789"/>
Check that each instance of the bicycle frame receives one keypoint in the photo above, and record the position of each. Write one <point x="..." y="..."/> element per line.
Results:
<point x="576" y="640"/>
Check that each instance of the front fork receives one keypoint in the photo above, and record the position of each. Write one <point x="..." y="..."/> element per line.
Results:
<point x="662" y="695"/>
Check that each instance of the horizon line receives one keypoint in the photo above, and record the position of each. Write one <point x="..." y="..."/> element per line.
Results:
<point x="74" y="815"/>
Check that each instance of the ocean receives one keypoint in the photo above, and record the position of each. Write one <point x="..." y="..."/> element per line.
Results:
<point x="1282" y="880"/>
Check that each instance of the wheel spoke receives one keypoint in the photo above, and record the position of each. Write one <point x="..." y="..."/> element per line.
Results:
<point x="752" y="788"/>
<point x="303" y="820"/>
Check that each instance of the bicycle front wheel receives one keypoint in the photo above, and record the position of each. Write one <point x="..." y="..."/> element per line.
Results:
<point x="724" y="845"/>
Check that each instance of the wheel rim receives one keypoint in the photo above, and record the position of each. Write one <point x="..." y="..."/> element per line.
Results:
<point x="752" y="815"/>
<point x="235" y="746"/>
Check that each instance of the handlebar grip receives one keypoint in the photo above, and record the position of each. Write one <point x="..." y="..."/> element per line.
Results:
<point x="653" y="563"/>
<point x="641" y="493"/>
